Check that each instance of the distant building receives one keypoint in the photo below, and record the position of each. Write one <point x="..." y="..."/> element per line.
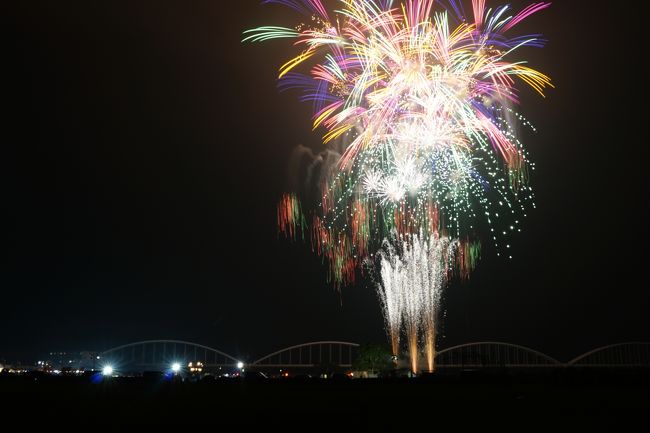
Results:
<point x="63" y="361"/>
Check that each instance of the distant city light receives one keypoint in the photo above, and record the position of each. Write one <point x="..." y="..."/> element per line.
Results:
<point x="240" y="365"/>
<point x="195" y="368"/>
<point x="176" y="367"/>
<point x="107" y="370"/>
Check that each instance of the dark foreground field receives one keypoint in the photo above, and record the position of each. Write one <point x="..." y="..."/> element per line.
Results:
<point x="552" y="402"/>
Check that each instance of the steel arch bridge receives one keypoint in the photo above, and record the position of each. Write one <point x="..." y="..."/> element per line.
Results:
<point x="314" y="354"/>
<point x="631" y="354"/>
<point x="160" y="354"/>
<point x="493" y="354"/>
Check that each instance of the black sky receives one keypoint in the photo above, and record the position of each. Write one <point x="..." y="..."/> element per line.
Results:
<point x="145" y="149"/>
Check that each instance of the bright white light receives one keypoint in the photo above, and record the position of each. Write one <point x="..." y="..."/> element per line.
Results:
<point x="411" y="289"/>
<point x="176" y="367"/>
<point x="107" y="370"/>
<point x="240" y="365"/>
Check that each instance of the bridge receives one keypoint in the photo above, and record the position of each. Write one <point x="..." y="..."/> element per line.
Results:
<point x="623" y="355"/>
<point x="161" y="354"/>
<point x="318" y="353"/>
<point x="495" y="354"/>
<point x="488" y="354"/>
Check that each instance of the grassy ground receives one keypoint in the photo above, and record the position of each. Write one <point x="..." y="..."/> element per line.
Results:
<point x="579" y="401"/>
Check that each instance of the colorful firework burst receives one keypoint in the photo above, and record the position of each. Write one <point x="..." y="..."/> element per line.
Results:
<point x="419" y="100"/>
<point x="424" y="100"/>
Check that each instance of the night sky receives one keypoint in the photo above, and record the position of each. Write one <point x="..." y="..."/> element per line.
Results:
<point x="146" y="148"/>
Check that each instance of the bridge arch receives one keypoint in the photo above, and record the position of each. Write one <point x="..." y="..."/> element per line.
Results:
<point x="493" y="354"/>
<point x="159" y="354"/>
<point x="629" y="354"/>
<point x="312" y="354"/>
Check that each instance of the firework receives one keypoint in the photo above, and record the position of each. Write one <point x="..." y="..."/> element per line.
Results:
<point x="391" y="295"/>
<point x="414" y="272"/>
<point x="422" y="96"/>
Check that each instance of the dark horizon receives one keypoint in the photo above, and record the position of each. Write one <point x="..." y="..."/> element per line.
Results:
<point x="148" y="148"/>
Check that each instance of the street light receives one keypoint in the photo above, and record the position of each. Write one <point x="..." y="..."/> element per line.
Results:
<point x="240" y="365"/>
<point x="176" y="367"/>
<point x="107" y="370"/>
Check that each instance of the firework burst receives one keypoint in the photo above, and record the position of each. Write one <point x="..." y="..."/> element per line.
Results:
<point x="423" y="96"/>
